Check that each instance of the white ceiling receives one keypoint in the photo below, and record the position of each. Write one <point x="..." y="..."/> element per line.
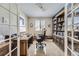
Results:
<point x="32" y="10"/>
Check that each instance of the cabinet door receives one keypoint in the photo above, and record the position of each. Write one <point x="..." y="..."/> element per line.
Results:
<point x="23" y="47"/>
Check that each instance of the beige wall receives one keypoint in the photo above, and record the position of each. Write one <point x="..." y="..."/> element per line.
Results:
<point x="48" y="21"/>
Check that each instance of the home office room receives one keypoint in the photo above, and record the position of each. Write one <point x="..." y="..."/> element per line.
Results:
<point x="39" y="29"/>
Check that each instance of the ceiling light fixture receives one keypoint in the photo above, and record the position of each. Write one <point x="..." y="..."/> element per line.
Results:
<point x="40" y="5"/>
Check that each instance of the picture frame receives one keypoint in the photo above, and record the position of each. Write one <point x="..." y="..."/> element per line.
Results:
<point x="31" y="25"/>
<point x="3" y="21"/>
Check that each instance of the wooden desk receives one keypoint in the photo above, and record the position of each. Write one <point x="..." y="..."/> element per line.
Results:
<point x="24" y="45"/>
<point x="4" y="48"/>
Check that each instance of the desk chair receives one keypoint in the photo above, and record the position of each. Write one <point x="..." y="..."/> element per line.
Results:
<point x="40" y="38"/>
<point x="40" y="45"/>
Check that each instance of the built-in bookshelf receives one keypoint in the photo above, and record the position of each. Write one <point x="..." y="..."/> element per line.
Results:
<point x="58" y="28"/>
<point x="72" y="29"/>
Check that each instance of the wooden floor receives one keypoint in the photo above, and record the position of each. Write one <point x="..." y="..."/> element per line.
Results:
<point x="51" y="49"/>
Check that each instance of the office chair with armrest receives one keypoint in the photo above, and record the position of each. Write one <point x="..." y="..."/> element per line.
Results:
<point x="40" y="38"/>
<point x="40" y="45"/>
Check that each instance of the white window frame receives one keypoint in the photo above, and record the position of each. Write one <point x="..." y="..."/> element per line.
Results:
<point x="41" y="25"/>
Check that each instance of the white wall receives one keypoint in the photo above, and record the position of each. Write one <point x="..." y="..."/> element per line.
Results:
<point x="4" y="12"/>
<point x="48" y="21"/>
<point x="4" y="29"/>
<point x="23" y="15"/>
<point x="10" y="14"/>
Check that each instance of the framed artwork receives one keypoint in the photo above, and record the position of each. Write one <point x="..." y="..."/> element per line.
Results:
<point x="31" y="25"/>
<point x="4" y="20"/>
<point x="21" y="22"/>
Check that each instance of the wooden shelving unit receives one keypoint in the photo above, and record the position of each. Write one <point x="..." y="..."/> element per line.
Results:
<point x="58" y="28"/>
<point x="72" y="29"/>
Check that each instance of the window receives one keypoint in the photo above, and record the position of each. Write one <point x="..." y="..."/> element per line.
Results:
<point x="22" y="27"/>
<point x="39" y="25"/>
<point x="21" y="22"/>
